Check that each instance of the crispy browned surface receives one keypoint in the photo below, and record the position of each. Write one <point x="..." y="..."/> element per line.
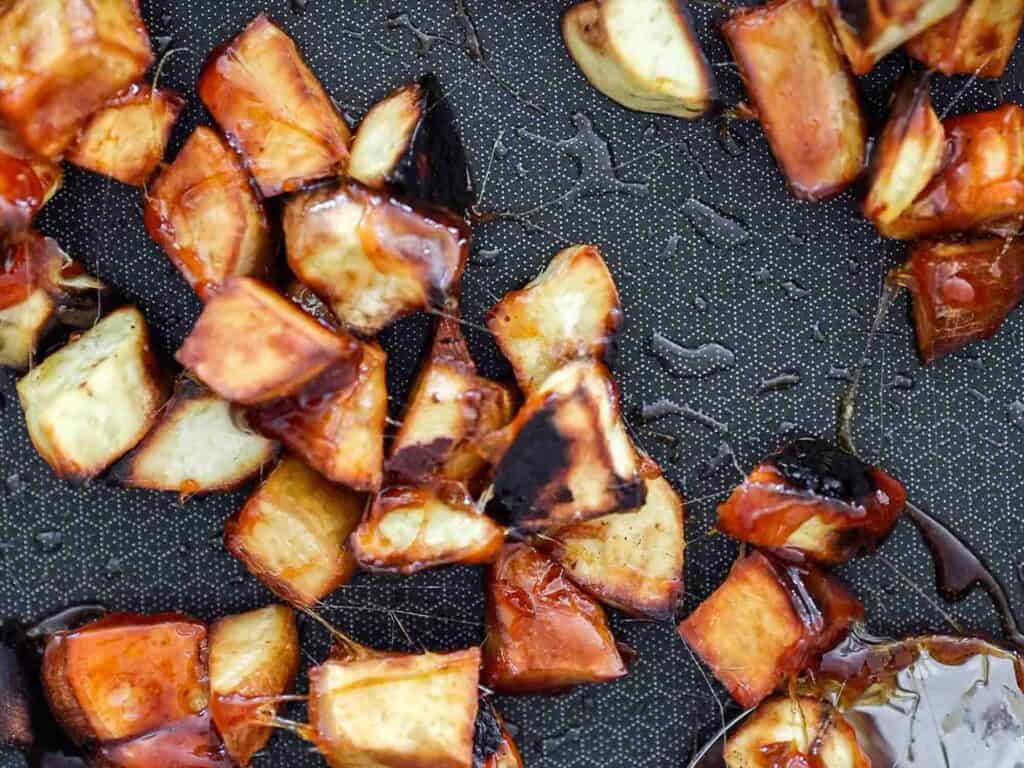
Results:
<point x="978" y="38"/>
<point x="27" y="182"/>
<point x="124" y="675"/>
<point x="292" y="533"/>
<point x="273" y="109"/>
<point x="803" y="92"/>
<point x="396" y="710"/>
<point x="126" y="139"/>
<point x="60" y="60"/>
<point x="251" y="345"/>
<point x="543" y="632"/>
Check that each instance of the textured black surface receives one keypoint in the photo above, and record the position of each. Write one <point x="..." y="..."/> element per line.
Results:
<point x="789" y="288"/>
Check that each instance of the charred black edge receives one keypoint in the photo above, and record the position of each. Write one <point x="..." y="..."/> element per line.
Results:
<point x="856" y="14"/>
<point x="818" y="467"/>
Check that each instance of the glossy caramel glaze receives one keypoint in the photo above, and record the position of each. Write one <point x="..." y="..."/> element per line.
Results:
<point x="977" y="39"/>
<point x="37" y="262"/>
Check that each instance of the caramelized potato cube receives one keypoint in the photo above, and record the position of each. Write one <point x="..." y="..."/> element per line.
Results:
<point x="962" y="291"/>
<point x="803" y="92"/>
<point x="409" y="529"/>
<point x="27" y="182"/>
<point x="61" y="60"/>
<point x="794" y="731"/>
<point x="407" y="144"/>
<point x="396" y="710"/>
<point x="977" y="39"/>
<point x="197" y="446"/>
<point x="125" y="675"/>
<point x="642" y="54"/>
<point x="251" y="345"/>
<point x="571" y="310"/>
<point x="493" y="746"/>
<point x="816" y="499"/>
<point x="566" y="456"/>
<point x="254" y="657"/>
<point x="92" y="401"/>
<point x="767" y="622"/>
<point x="372" y="258"/>
<point x="292" y="531"/>
<point x="273" y="109"/>
<point x="126" y="139"/>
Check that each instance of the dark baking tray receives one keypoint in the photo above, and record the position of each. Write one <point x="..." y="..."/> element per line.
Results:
<point x="789" y="288"/>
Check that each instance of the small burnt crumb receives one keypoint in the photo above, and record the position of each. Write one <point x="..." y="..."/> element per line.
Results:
<point x="823" y="469"/>
<point x="536" y="458"/>
<point x="487" y="735"/>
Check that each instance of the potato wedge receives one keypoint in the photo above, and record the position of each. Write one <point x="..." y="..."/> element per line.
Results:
<point x="962" y="291"/>
<point x="642" y="54"/>
<point x="254" y="657"/>
<point x="816" y="499"/>
<point x="493" y="745"/>
<point x="795" y="731"/>
<point x="396" y="710"/>
<point x="273" y="109"/>
<point x="410" y="529"/>
<point x="766" y="622"/>
<point x="803" y="92"/>
<point x="251" y="345"/>
<point x="27" y="182"/>
<point x="292" y="531"/>
<point x="92" y="401"/>
<point x="373" y="258"/>
<point x="407" y="144"/>
<point x="977" y="39"/>
<point x="566" y="456"/>
<point x="197" y="446"/>
<point x="127" y="138"/>
<point x="570" y="310"/>
<point x="61" y="60"/>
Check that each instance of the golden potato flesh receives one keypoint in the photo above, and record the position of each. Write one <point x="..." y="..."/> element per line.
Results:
<point x="977" y="39"/>
<point x="292" y="533"/>
<point x="61" y="60"/>
<point x="273" y="109"/>
<point x="27" y="182"/>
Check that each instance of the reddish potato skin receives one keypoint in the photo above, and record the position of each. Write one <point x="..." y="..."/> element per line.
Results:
<point x="543" y="633"/>
<point x="962" y="291"/>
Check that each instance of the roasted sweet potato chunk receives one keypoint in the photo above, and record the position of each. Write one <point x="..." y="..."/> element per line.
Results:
<point x="566" y="456"/>
<point x="792" y="732"/>
<point x="273" y="109"/>
<point x="543" y="632"/>
<point x="373" y="258"/>
<point x="409" y="529"/>
<point x="571" y="310"/>
<point x="254" y="657"/>
<point x="962" y="291"/>
<point x="27" y="182"/>
<point x="127" y="138"/>
<point x="803" y="92"/>
<point x="197" y="446"/>
<point x="766" y="622"/>
<point x="292" y="531"/>
<point x="407" y="144"/>
<point x="642" y="54"/>
<point x="396" y="710"/>
<point x="251" y="345"/>
<point x="92" y="401"/>
<point x="493" y="746"/>
<point x="977" y="39"/>
<point x="814" y="498"/>
<point x="61" y="60"/>
<point x="980" y="185"/>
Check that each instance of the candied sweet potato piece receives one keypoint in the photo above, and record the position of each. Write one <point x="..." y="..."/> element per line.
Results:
<point x="962" y="291"/>
<point x="396" y="710"/>
<point x="27" y="182"/>
<point x="251" y="345"/>
<point x="543" y="632"/>
<point x="93" y="400"/>
<point x="371" y="257"/>
<point x="803" y="92"/>
<point x="292" y="531"/>
<point x="191" y="742"/>
<point x="977" y="39"/>
<point x="566" y="456"/>
<point x="60" y="60"/>
<point x="571" y="310"/>
<point x="409" y="529"/>
<point x="814" y="498"/>
<point x="254" y="657"/>
<point x="493" y="746"/>
<point x="273" y="109"/>
<point x="126" y="139"/>
<point x="766" y="622"/>
<point x="197" y="446"/>
<point x="642" y="54"/>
